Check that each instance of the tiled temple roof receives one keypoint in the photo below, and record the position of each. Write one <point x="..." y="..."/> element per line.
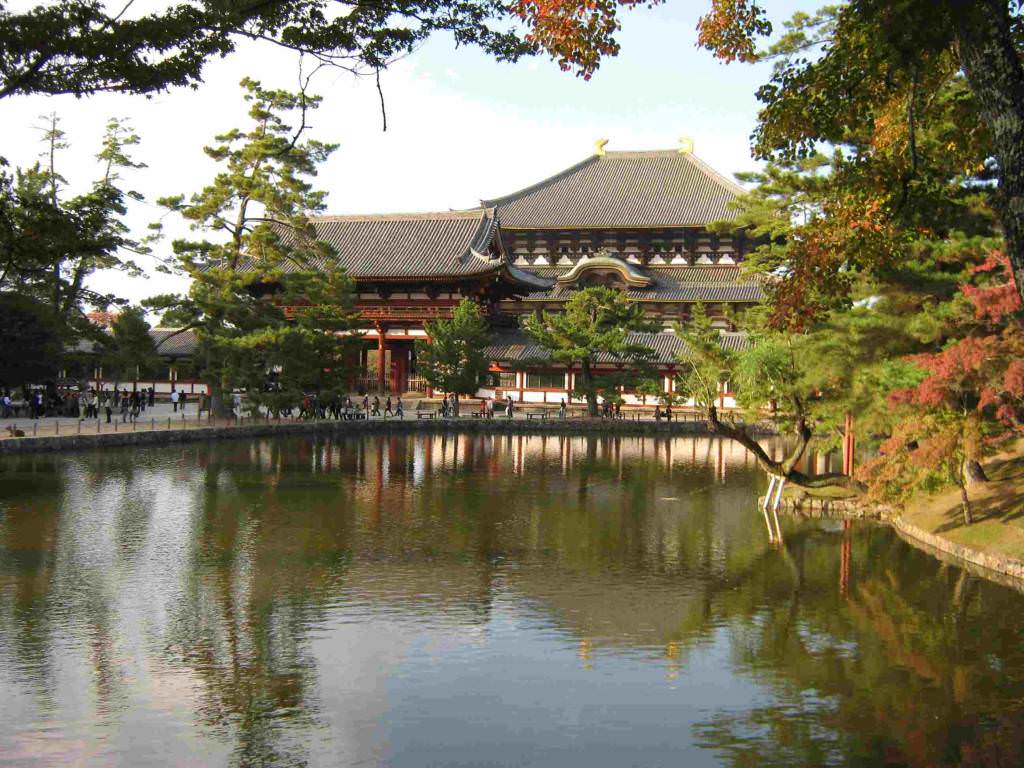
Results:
<point x="507" y="346"/>
<point x="173" y="342"/>
<point x="670" y="283"/>
<point x="663" y="188"/>
<point x="390" y="246"/>
<point x="416" y="246"/>
<point x="517" y="347"/>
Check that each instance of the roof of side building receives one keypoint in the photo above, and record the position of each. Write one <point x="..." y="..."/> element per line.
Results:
<point x="660" y="188"/>
<point x="409" y="245"/>
<point x="516" y="346"/>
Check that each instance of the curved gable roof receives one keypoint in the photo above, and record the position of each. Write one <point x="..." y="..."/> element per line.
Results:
<point x="661" y="188"/>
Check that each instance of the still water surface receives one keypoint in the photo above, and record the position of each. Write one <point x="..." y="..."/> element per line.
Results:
<point x="477" y="601"/>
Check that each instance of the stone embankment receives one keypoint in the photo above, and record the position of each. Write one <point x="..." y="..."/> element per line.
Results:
<point x="497" y="426"/>
<point x="991" y="565"/>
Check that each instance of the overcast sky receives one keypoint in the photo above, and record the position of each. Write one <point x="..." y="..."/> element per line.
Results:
<point x="461" y="127"/>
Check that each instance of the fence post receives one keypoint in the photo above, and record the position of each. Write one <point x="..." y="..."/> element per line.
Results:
<point x="56" y="426"/>
<point x="152" y="424"/>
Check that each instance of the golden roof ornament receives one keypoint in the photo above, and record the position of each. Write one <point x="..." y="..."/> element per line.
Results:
<point x="685" y="145"/>
<point x="599" y="149"/>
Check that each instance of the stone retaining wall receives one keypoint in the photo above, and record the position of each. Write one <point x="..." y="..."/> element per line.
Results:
<point x="986" y="565"/>
<point x="344" y="428"/>
<point x="995" y="567"/>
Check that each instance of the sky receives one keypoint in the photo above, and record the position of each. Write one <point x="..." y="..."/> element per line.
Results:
<point x="461" y="127"/>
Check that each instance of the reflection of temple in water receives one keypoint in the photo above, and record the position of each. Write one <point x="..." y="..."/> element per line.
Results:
<point x="267" y="566"/>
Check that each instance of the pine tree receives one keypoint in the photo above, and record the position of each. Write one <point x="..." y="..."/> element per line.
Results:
<point x="595" y="322"/>
<point x="264" y="258"/>
<point x="454" y="359"/>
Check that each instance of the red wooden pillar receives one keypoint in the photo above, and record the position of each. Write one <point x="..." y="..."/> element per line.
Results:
<point x="849" y="444"/>
<point x="381" y="357"/>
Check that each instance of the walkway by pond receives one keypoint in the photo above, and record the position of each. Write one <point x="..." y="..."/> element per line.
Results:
<point x="477" y="600"/>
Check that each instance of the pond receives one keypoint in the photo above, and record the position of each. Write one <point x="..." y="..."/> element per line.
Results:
<point x="478" y="600"/>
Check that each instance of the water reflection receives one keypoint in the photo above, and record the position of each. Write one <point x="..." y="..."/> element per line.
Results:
<point x="476" y="599"/>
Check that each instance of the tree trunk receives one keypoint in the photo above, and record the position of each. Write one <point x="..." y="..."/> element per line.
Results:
<point x="965" y="504"/>
<point x="588" y="384"/>
<point x="974" y="473"/>
<point x="995" y="75"/>
<point x="787" y="467"/>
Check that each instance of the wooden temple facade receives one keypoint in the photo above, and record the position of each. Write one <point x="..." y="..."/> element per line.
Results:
<point x="636" y="221"/>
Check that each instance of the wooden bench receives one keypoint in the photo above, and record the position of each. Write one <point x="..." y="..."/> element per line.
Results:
<point x="425" y="414"/>
<point x="537" y="413"/>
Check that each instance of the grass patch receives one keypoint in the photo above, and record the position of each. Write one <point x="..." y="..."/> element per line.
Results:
<point x="998" y="508"/>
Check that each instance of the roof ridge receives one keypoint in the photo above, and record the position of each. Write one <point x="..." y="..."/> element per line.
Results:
<point x="721" y="178"/>
<point x="496" y="201"/>
<point x="467" y="213"/>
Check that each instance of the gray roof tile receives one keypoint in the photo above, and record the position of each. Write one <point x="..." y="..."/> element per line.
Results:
<point x="517" y="347"/>
<point x="389" y="246"/>
<point x="173" y="342"/>
<point x="663" y="188"/>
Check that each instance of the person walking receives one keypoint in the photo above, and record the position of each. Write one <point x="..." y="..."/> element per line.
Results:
<point x="508" y="406"/>
<point x="174" y="399"/>
<point x="561" y="410"/>
<point x="399" y="409"/>
<point x="387" y="408"/>
<point x="376" y="406"/>
<point x="182" y="400"/>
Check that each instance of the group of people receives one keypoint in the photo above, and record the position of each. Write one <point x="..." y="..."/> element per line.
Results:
<point x="489" y="407"/>
<point x="343" y="408"/>
<point x="84" y="404"/>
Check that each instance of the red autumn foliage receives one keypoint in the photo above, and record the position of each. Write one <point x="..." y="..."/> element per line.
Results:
<point x="993" y="303"/>
<point x="730" y="27"/>
<point x="984" y="371"/>
<point x="577" y="33"/>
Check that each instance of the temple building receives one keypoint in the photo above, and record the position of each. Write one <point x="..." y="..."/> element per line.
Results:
<point x="635" y="221"/>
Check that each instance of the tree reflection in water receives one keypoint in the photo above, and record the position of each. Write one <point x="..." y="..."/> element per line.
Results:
<point x="282" y="602"/>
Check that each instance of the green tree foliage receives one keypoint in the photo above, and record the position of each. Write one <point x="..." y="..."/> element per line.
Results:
<point x="453" y="360"/>
<point x="886" y="78"/>
<point x="129" y="352"/>
<point x="864" y="254"/>
<point x="32" y="341"/>
<point x="52" y="243"/>
<point x="271" y="313"/>
<point x="84" y="46"/>
<point x="596" y="322"/>
<point x="777" y="369"/>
